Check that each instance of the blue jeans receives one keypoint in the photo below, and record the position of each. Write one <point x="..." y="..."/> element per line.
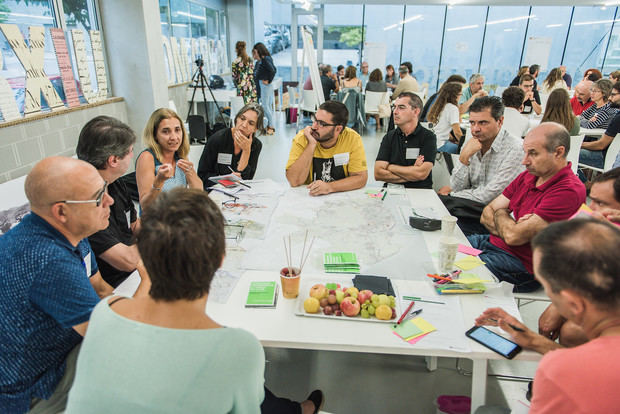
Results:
<point x="593" y="158"/>
<point x="503" y="264"/>
<point x="266" y="96"/>
<point x="449" y="147"/>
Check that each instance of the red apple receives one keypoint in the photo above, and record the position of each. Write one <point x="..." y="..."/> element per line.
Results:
<point x="364" y="295"/>
<point x="350" y="306"/>
<point x="318" y="291"/>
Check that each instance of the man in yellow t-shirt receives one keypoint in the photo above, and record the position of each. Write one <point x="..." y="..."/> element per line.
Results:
<point x="328" y="156"/>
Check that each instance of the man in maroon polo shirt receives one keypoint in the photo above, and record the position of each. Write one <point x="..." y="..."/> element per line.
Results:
<point x="548" y="191"/>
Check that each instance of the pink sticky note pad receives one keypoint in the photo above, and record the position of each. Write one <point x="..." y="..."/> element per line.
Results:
<point x="469" y="250"/>
<point x="412" y="341"/>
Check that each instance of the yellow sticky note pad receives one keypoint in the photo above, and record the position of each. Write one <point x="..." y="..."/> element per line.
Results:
<point x="468" y="263"/>
<point x="424" y="326"/>
<point x="470" y="279"/>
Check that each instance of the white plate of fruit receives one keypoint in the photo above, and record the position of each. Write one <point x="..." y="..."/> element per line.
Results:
<point x="318" y="298"/>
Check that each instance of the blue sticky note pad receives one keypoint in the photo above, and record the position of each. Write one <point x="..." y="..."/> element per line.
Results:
<point x="406" y="329"/>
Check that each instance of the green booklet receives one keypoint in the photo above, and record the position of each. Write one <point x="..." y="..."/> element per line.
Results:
<point x="343" y="262"/>
<point x="262" y="295"/>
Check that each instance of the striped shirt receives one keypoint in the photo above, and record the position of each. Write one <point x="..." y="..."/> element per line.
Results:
<point x="604" y="115"/>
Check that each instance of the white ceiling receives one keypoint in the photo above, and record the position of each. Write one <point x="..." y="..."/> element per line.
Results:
<point x="468" y="2"/>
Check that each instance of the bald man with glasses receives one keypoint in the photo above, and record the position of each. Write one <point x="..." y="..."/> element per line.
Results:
<point x="328" y="156"/>
<point x="50" y="283"/>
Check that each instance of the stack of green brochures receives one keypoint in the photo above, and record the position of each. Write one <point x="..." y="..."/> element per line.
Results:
<point x="262" y="295"/>
<point x="341" y="263"/>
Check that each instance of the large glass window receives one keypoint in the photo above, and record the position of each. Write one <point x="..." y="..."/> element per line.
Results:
<point x="383" y="25"/>
<point x="612" y="60"/>
<point x="272" y="26"/>
<point x="505" y="26"/>
<point x="198" y="20"/>
<point x="212" y="29"/>
<point x="462" y="41"/>
<point x="24" y="15"/>
<point x="548" y="24"/>
<point x="587" y="39"/>
<point x="164" y="17"/>
<point x="179" y="16"/>
<point x="422" y="45"/>
<point x="342" y="35"/>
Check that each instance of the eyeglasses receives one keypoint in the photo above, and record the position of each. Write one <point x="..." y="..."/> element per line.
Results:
<point x="615" y="93"/>
<point x="97" y="200"/>
<point x="321" y="123"/>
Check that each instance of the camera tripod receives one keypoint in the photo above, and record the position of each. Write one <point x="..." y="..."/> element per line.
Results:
<point x="200" y="81"/>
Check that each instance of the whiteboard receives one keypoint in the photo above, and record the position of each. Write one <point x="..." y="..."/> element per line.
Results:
<point x="537" y="52"/>
<point x="309" y="53"/>
<point x="375" y="54"/>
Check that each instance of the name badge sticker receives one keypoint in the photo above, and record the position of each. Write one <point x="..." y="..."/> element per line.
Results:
<point x="87" y="265"/>
<point x="128" y="216"/>
<point x="341" y="159"/>
<point x="412" y="153"/>
<point x="223" y="158"/>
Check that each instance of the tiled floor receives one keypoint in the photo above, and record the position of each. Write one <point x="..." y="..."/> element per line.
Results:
<point x="375" y="383"/>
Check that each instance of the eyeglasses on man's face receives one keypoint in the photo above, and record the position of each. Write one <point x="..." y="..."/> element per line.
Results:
<point x="97" y="200"/>
<point x="320" y="123"/>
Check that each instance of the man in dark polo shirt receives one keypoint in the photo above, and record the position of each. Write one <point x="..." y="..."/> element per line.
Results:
<point x="328" y="81"/>
<point x="531" y="103"/>
<point x="107" y="144"/>
<point x="407" y="153"/>
<point x="548" y="191"/>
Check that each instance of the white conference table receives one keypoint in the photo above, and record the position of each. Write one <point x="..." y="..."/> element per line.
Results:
<point x="281" y="328"/>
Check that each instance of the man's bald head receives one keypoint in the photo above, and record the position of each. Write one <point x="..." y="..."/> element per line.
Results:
<point x="555" y="136"/>
<point x="57" y="178"/>
<point x="582" y="91"/>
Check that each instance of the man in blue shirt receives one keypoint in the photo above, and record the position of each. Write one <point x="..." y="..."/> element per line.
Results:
<point x="50" y="283"/>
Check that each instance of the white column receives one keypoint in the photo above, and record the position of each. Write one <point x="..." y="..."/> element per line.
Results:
<point x="135" y="57"/>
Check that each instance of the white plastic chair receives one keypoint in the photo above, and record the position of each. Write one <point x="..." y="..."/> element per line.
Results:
<point x="543" y="100"/>
<point x="499" y="91"/>
<point x="372" y="100"/>
<point x="612" y="153"/>
<point x="573" y="154"/>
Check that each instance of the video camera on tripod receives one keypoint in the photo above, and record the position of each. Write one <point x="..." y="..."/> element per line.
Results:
<point x="199" y="132"/>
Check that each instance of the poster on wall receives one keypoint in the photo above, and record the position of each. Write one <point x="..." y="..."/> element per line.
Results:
<point x="8" y="104"/>
<point x="102" y="80"/>
<point x="64" y="65"/>
<point x="79" y="46"/>
<point x="537" y="52"/>
<point x="31" y="59"/>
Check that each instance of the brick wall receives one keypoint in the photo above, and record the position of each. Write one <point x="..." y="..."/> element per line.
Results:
<point x="24" y="142"/>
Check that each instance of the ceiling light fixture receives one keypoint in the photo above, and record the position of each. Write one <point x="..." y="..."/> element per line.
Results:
<point x="452" y="29"/>
<point x="512" y="19"/>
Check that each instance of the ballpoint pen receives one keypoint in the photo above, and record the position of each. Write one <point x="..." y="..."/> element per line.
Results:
<point x="240" y="182"/>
